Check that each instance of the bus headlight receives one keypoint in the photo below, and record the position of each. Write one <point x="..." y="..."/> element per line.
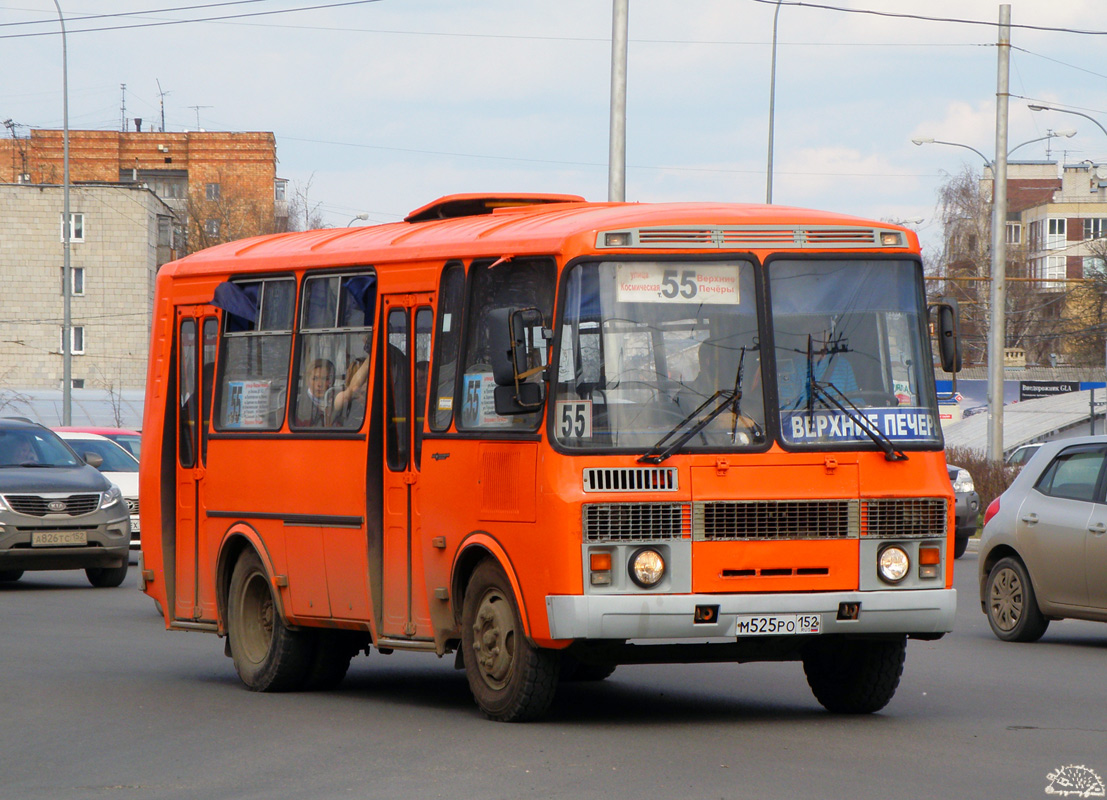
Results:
<point x="892" y="564"/>
<point x="647" y="567"/>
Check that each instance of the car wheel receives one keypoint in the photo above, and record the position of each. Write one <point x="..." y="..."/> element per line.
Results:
<point x="854" y="676"/>
<point x="511" y="680"/>
<point x="9" y="575"/>
<point x="960" y="544"/>
<point x="107" y="577"/>
<point x="268" y="655"/>
<point x="1013" y="610"/>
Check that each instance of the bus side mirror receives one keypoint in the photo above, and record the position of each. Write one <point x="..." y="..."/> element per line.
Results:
<point x="949" y="334"/>
<point x="511" y="335"/>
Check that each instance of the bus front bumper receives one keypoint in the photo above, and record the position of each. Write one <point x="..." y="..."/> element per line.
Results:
<point x="925" y="612"/>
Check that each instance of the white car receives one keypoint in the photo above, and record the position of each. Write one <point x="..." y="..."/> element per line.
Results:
<point x="117" y="465"/>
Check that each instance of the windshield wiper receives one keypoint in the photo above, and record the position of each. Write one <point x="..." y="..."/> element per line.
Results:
<point x="830" y="395"/>
<point x="730" y="398"/>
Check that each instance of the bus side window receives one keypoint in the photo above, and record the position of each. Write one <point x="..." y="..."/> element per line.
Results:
<point x="335" y="338"/>
<point x="451" y="299"/>
<point x="519" y="283"/>
<point x="257" y="343"/>
<point x="424" y="318"/>
<point x="398" y="408"/>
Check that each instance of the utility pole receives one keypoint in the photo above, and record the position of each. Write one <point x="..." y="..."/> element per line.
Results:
<point x="123" y="108"/>
<point x="997" y="334"/>
<point x="617" y="152"/>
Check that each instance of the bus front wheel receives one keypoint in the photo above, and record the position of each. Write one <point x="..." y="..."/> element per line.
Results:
<point x="268" y="656"/>
<point x="511" y="680"/>
<point x="855" y="676"/>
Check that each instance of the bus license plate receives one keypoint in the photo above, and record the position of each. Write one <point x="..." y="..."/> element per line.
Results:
<point x="777" y="624"/>
<point x="58" y="538"/>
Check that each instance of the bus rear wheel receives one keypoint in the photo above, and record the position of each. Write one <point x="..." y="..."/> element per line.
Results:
<point x="855" y="676"/>
<point x="268" y="656"/>
<point x="511" y="679"/>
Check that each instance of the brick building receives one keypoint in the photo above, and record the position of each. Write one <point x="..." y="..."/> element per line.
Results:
<point x="222" y="186"/>
<point x="119" y="239"/>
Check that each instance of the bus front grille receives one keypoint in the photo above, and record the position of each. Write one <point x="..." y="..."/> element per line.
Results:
<point x="905" y="516"/>
<point x="630" y="479"/>
<point x="634" y="522"/>
<point x="774" y="520"/>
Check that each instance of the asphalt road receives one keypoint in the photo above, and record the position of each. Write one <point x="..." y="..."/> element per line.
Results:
<point x="99" y="701"/>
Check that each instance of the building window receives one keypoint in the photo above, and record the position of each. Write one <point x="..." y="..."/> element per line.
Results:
<point x="1014" y="233"/>
<point x="211" y="191"/>
<point x="211" y="228"/>
<point x="76" y="337"/>
<point x="1054" y="272"/>
<point x="1095" y="228"/>
<point x="1095" y="267"/>
<point x="1055" y="235"/>
<point x="280" y="190"/>
<point x="77" y="383"/>
<point x="77" y="281"/>
<point x="76" y="227"/>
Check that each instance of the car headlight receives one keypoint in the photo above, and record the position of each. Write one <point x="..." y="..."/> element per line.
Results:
<point x="893" y="564"/>
<point x="647" y="567"/>
<point x="111" y="496"/>
<point x="963" y="482"/>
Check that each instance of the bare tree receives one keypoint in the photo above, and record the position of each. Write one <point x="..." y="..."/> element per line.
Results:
<point x="303" y="215"/>
<point x="217" y="213"/>
<point x="1036" y="313"/>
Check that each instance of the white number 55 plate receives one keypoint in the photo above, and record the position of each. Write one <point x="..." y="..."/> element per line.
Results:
<point x="777" y="624"/>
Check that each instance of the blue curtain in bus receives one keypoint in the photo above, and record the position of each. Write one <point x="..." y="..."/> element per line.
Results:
<point x="240" y="302"/>
<point x="360" y="298"/>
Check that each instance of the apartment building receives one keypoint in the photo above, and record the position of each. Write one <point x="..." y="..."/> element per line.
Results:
<point x="121" y="233"/>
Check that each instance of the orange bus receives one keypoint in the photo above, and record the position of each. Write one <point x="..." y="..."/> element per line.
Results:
<point x="553" y="437"/>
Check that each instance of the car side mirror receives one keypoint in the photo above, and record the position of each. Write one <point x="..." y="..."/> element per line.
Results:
<point x="93" y="459"/>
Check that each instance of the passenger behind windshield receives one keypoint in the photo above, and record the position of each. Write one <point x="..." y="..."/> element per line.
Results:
<point x="719" y="364"/>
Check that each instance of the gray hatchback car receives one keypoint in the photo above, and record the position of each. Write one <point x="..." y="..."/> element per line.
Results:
<point x="57" y="511"/>
<point x="1043" y="552"/>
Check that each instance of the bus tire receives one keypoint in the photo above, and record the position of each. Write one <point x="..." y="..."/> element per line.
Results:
<point x="1013" y="612"/>
<point x="511" y="680"/>
<point x="573" y="670"/>
<point x="855" y="676"/>
<point x="331" y="661"/>
<point x="106" y="577"/>
<point x="268" y="656"/>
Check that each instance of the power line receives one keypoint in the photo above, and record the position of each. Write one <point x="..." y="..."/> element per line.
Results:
<point x="188" y="21"/>
<point x="924" y="18"/>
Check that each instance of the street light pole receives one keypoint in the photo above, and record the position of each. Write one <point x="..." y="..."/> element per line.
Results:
<point x="772" y="113"/>
<point x="67" y="222"/>
<point x="617" y="145"/>
<point x="997" y="328"/>
<point x="1043" y="107"/>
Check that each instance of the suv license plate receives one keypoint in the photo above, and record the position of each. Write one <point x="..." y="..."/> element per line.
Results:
<point x="58" y="538"/>
<point x="777" y="624"/>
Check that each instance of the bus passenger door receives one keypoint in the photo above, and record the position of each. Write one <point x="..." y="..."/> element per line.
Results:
<point x="197" y="334"/>
<point x="408" y="323"/>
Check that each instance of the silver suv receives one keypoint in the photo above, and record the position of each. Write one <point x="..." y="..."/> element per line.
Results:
<point x="56" y="510"/>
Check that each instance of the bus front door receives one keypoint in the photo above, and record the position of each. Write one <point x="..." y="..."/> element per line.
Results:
<point x="197" y="335"/>
<point x="408" y="324"/>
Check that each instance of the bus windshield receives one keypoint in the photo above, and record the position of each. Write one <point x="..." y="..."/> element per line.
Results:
<point x="850" y="352"/>
<point x="651" y="348"/>
<point x="660" y="356"/>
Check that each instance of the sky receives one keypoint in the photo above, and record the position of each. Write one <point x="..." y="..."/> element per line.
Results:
<point x="380" y="107"/>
